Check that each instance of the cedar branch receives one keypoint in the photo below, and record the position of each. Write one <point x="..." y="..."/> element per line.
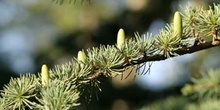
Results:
<point x="159" y="57"/>
<point x="181" y="51"/>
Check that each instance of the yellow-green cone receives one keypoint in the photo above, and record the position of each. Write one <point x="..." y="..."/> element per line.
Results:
<point x="81" y="56"/>
<point x="177" y="22"/>
<point x="44" y="75"/>
<point x="187" y="89"/>
<point x="120" y="38"/>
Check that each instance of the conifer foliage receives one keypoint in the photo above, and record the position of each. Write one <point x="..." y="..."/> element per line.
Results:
<point x="60" y="88"/>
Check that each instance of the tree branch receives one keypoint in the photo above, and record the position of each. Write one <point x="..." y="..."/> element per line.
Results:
<point x="158" y="57"/>
<point x="181" y="51"/>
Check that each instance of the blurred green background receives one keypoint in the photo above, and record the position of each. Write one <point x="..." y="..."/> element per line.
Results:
<point x="36" y="32"/>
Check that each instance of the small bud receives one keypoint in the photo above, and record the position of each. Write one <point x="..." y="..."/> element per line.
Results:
<point x="81" y="56"/>
<point x="177" y="22"/>
<point x="187" y="89"/>
<point x="44" y="75"/>
<point x="120" y="38"/>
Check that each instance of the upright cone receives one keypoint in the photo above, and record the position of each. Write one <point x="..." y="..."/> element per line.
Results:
<point x="177" y="22"/>
<point x="120" y="38"/>
<point x="81" y="56"/>
<point x="44" y="75"/>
